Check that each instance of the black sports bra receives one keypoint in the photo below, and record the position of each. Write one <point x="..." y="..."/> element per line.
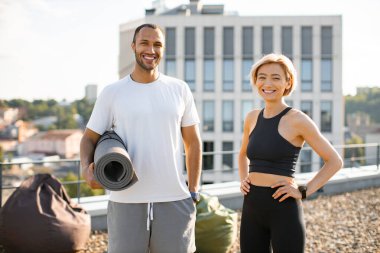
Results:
<point x="268" y="151"/>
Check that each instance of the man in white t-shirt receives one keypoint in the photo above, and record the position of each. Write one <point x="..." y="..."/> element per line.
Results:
<point x="155" y="116"/>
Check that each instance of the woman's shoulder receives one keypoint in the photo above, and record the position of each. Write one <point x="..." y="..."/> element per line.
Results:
<point x="298" y="118"/>
<point x="251" y="117"/>
<point x="296" y="114"/>
<point x="253" y="114"/>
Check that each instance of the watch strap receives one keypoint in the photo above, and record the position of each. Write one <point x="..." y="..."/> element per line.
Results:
<point x="303" y="189"/>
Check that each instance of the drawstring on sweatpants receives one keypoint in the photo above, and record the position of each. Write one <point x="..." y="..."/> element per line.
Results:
<point x="149" y="217"/>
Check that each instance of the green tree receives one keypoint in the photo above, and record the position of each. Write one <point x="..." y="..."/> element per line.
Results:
<point x="65" y="117"/>
<point x="3" y="103"/>
<point x="17" y="103"/>
<point x="85" y="190"/>
<point x="83" y="108"/>
<point x="366" y="102"/>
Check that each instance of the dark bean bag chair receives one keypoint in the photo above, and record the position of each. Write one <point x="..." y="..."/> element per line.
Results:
<point x="40" y="217"/>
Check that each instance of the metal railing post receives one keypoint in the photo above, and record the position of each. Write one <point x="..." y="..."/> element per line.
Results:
<point x="378" y="156"/>
<point x="78" y="182"/>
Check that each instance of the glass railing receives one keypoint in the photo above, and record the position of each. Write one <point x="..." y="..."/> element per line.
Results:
<point x="218" y="166"/>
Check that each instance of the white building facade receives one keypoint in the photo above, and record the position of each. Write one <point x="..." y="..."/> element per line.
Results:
<point x="213" y="52"/>
<point x="91" y="92"/>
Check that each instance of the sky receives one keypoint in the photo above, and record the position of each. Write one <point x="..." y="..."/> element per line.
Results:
<point x="51" y="49"/>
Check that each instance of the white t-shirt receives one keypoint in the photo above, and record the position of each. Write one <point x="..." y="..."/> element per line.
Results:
<point x="148" y="117"/>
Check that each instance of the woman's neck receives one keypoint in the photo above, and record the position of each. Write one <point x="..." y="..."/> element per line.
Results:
<point x="272" y="109"/>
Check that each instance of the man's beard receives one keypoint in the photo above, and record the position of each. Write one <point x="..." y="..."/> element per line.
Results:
<point x="142" y="65"/>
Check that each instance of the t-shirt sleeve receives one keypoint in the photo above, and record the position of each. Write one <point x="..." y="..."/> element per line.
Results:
<point x="190" y="116"/>
<point x="101" y="118"/>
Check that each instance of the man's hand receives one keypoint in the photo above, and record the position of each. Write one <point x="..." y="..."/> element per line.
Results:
<point x="88" y="174"/>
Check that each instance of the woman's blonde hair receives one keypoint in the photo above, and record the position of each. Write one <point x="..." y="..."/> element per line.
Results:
<point x="285" y="63"/>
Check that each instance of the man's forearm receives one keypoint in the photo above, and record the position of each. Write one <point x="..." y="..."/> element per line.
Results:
<point x="87" y="150"/>
<point x="194" y="165"/>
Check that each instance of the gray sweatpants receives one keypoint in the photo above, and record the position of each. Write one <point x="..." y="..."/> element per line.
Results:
<point x="162" y="227"/>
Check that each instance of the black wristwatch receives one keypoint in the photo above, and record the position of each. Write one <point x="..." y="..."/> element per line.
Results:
<point x="303" y="189"/>
<point x="196" y="196"/>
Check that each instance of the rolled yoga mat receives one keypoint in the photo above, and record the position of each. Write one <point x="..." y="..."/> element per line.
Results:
<point x="113" y="166"/>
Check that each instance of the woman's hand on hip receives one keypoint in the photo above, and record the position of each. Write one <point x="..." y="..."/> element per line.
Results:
<point x="244" y="186"/>
<point x="286" y="189"/>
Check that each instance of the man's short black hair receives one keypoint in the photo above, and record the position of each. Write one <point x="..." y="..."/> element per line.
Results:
<point x="153" y="26"/>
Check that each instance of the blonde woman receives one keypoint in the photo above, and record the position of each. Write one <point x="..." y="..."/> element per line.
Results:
<point x="272" y="216"/>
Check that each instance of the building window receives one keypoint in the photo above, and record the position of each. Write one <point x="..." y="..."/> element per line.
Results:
<point x="190" y="73"/>
<point x="326" y="41"/>
<point x="228" y="75"/>
<point x="247" y="40"/>
<point x="228" y="116"/>
<point x="208" y="116"/>
<point x="228" y="41"/>
<point x="208" y="159"/>
<point x="306" y="160"/>
<point x="307" y="41"/>
<point x="246" y="107"/>
<point x="170" y="67"/>
<point x="326" y="116"/>
<point x="246" y="69"/>
<point x="209" y="59"/>
<point x="227" y="159"/>
<point x="209" y="41"/>
<point x="307" y="107"/>
<point x="326" y="75"/>
<point x="209" y="75"/>
<point x="190" y="57"/>
<point x="267" y="40"/>
<point x="247" y="52"/>
<point x="326" y="60"/>
<point x="170" y="52"/>
<point x="306" y="75"/>
<point x="306" y="60"/>
<point x="287" y="41"/>
<point x="190" y="42"/>
<point x="228" y="62"/>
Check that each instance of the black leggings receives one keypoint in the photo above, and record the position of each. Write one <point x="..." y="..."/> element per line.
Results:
<point x="268" y="224"/>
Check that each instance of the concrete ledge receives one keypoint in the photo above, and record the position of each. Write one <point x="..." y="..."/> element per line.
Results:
<point x="346" y="180"/>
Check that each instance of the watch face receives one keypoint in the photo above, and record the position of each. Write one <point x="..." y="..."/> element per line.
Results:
<point x="195" y="196"/>
<point x="303" y="190"/>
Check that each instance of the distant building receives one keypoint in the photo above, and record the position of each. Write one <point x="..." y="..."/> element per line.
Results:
<point x="8" y="115"/>
<point x="360" y="123"/>
<point x="213" y="51"/>
<point x="64" y="143"/>
<point x="91" y="92"/>
<point x="14" y="134"/>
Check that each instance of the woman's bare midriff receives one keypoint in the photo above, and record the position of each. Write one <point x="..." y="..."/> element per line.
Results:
<point x="266" y="180"/>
